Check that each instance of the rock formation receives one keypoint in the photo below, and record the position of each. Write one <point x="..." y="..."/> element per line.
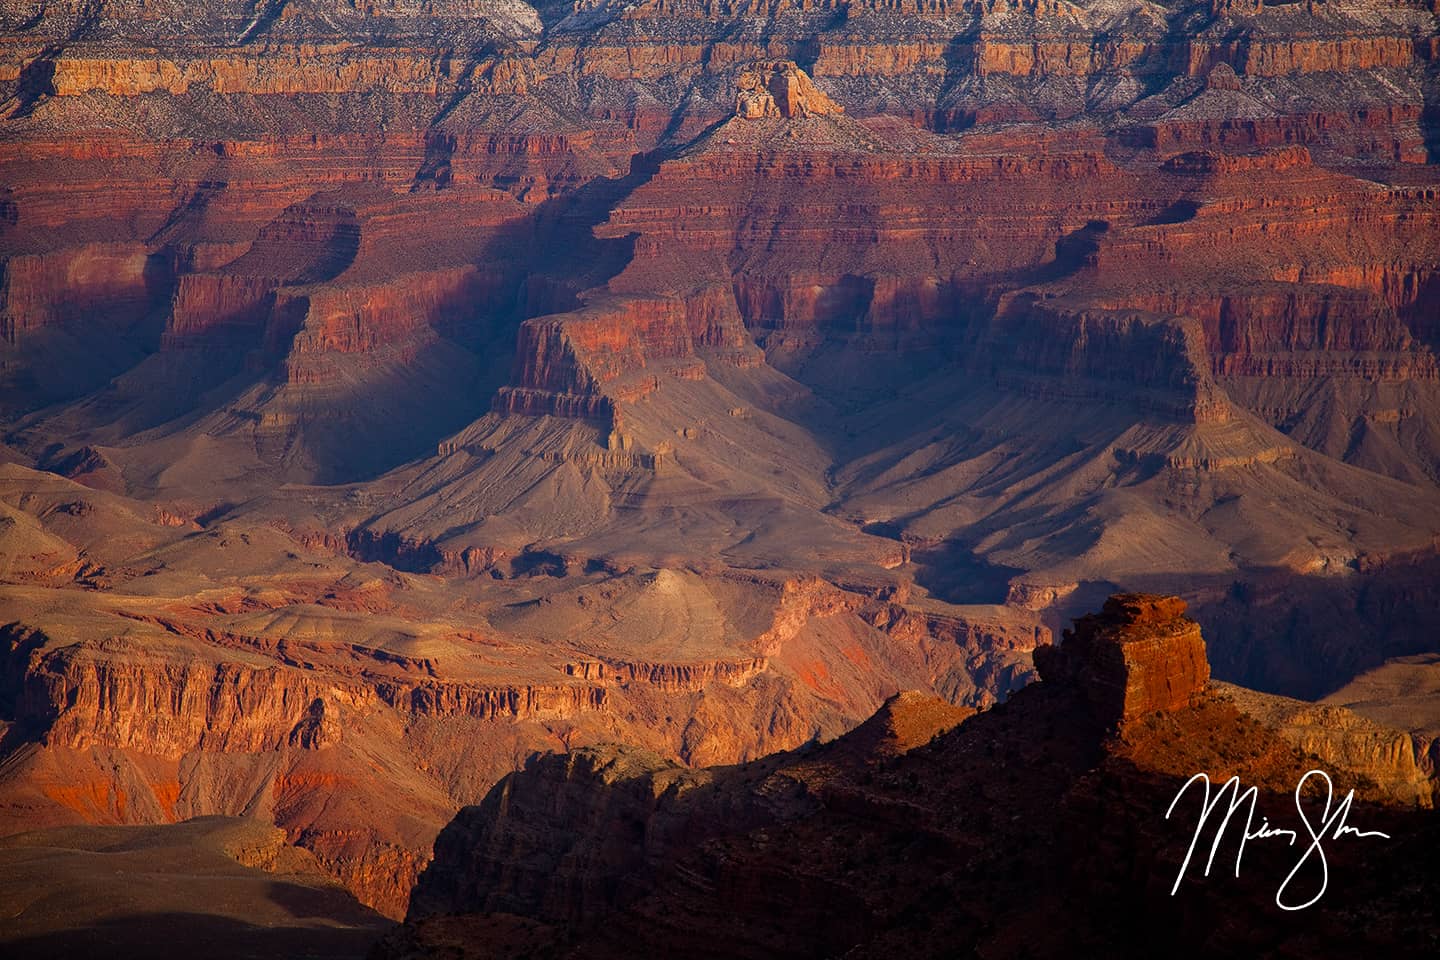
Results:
<point x="219" y="696"/>
<point x="915" y="830"/>
<point x="753" y="101"/>
<point x="392" y="391"/>
<point x="1139" y="655"/>
<point x="781" y="89"/>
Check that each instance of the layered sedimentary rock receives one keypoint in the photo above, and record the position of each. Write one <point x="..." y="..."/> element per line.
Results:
<point x="1400" y="694"/>
<point x="391" y="392"/>
<point x="1138" y="655"/>
<point x="1241" y="296"/>
<point x="478" y="108"/>
<point x="1396" y="760"/>
<point x="179" y="678"/>
<point x="781" y="89"/>
<point x="609" y="850"/>
<point x="950" y="63"/>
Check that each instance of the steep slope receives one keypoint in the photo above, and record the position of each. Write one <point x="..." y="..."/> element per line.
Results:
<point x="1002" y="374"/>
<point x="154" y="669"/>
<point x="914" y="831"/>
<point x="227" y="888"/>
<point x="1400" y="693"/>
<point x="391" y="391"/>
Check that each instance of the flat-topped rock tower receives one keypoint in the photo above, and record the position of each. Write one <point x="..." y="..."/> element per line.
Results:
<point x="1138" y="655"/>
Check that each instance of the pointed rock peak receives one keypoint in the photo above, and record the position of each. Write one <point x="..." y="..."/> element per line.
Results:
<point x="1236" y="9"/>
<point x="1138" y="655"/>
<point x="907" y="720"/>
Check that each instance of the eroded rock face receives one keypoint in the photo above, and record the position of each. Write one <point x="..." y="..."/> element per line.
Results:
<point x="902" y="364"/>
<point x="1140" y="654"/>
<point x="1395" y="760"/>
<point x="752" y="100"/>
<point x="781" y="89"/>
<point x="527" y="849"/>
<point x="341" y="711"/>
<point x="927" y="829"/>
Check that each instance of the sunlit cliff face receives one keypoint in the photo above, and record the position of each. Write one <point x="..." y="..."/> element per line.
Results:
<point x="391" y="393"/>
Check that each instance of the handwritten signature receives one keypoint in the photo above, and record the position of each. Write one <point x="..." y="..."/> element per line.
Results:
<point x="1332" y="826"/>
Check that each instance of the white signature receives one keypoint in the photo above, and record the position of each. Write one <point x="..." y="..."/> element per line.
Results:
<point x="1332" y="826"/>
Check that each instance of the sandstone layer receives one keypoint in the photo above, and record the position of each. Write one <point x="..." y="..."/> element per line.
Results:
<point x="929" y="829"/>
<point x="391" y="392"/>
<point x="1137" y="656"/>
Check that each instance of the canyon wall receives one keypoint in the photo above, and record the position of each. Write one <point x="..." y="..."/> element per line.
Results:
<point x="393" y="392"/>
<point x="601" y="851"/>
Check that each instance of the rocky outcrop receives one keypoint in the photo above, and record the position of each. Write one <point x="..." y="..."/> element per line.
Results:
<point x="119" y="282"/>
<point x="781" y="89"/>
<point x="1140" y="654"/>
<point x="117" y="695"/>
<point x="646" y="408"/>
<point x="276" y="703"/>
<point x="609" y="850"/>
<point x="753" y="99"/>
<point x="950" y="62"/>
<point x="678" y="677"/>
<point x="629" y="786"/>
<point x="1394" y="761"/>
<point x="640" y="811"/>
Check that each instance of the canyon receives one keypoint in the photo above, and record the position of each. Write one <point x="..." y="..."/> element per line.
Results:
<point x="393" y="394"/>
<point x="932" y="827"/>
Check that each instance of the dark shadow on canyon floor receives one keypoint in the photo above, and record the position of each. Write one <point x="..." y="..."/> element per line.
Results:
<point x="149" y="935"/>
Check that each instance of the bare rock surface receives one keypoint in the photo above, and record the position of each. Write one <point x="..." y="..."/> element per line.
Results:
<point x="1138" y="655"/>
<point x="390" y="392"/>
<point x="915" y="830"/>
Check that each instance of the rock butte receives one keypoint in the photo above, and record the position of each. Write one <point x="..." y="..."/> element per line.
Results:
<point x="1133" y="658"/>
<point x="393" y="391"/>
<point x="940" y="830"/>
